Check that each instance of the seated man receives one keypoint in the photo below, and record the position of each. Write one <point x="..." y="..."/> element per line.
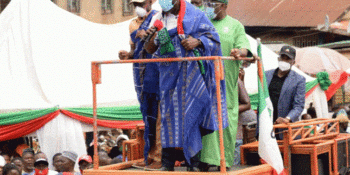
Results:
<point x="246" y="115"/>
<point x="187" y="89"/>
<point x="286" y="89"/>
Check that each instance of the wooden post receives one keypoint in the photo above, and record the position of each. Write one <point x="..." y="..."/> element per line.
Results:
<point x="96" y="79"/>
<point x="286" y="152"/>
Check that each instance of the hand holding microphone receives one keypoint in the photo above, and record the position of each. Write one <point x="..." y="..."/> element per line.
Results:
<point x="158" y="25"/>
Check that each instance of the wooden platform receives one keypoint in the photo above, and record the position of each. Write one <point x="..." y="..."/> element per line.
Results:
<point x="125" y="169"/>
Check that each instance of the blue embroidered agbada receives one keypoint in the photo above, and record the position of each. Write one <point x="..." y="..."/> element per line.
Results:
<point x="146" y="80"/>
<point x="187" y="97"/>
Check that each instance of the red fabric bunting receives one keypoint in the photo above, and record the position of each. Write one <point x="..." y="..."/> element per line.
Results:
<point x="338" y="78"/>
<point x="8" y="132"/>
<point x="103" y="123"/>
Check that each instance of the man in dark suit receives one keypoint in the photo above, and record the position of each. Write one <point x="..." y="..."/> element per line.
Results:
<point x="286" y="88"/>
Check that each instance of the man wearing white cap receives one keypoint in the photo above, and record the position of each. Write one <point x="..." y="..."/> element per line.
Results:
<point x="42" y="165"/>
<point x="146" y="78"/>
<point x="67" y="161"/>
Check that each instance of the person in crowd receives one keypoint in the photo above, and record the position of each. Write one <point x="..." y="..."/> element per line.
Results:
<point x="66" y="162"/>
<point x="56" y="163"/>
<point x="11" y="169"/>
<point x="246" y="115"/>
<point x="286" y="89"/>
<point x="185" y="32"/>
<point x="28" y="161"/>
<point x="312" y="111"/>
<point x="198" y="3"/>
<point x="343" y="120"/>
<point x="18" y="161"/>
<point x="104" y="159"/>
<point x="115" y="152"/>
<point x="42" y="165"/>
<point x="146" y="78"/>
<point x="306" y="116"/>
<point x="2" y="163"/>
<point x="235" y="43"/>
<point x="6" y="157"/>
<point x="85" y="162"/>
<point x="120" y="140"/>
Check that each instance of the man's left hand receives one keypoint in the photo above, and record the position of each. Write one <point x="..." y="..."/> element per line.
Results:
<point x="190" y="43"/>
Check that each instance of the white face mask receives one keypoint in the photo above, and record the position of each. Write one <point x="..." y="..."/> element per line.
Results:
<point x="283" y="66"/>
<point x="141" y="12"/>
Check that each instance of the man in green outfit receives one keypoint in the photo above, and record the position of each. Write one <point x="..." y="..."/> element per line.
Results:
<point x="235" y="43"/>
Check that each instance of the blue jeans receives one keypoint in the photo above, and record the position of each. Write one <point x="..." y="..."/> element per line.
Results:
<point x="237" y="155"/>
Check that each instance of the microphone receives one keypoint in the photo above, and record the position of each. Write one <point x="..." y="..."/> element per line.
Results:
<point x="159" y="25"/>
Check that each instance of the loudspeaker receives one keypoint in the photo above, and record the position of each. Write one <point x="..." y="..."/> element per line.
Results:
<point x="342" y="156"/>
<point x="301" y="164"/>
<point x="252" y="158"/>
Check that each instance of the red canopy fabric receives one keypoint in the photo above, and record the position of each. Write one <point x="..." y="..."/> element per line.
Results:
<point x="8" y="132"/>
<point x="338" y="78"/>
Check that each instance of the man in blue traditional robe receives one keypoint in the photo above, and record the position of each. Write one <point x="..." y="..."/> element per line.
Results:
<point x="188" y="101"/>
<point x="146" y="79"/>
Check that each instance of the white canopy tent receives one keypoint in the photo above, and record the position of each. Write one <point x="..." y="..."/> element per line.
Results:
<point x="45" y="58"/>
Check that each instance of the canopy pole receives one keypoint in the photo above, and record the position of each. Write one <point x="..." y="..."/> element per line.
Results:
<point x="218" y="77"/>
<point x="96" y="79"/>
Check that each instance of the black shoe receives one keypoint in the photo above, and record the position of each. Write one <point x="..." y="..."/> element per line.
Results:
<point x="227" y="168"/>
<point x="203" y="167"/>
<point x="191" y="169"/>
<point x="167" y="169"/>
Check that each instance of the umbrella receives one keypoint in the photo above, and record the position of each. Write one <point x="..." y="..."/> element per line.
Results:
<point x="312" y="60"/>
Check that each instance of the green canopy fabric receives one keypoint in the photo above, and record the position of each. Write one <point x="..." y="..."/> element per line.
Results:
<point x="23" y="116"/>
<point x="130" y="113"/>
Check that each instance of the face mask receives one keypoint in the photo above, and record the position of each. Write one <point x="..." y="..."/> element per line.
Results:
<point x="141" y="12"/>
<point x="166" y="5"/>
<point x="283" y="66"/>
<point x="42" y="172"/>
<point x="209" y="11"/>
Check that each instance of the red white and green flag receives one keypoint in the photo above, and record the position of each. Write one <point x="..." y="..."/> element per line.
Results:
<point x="268" y="147"/>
